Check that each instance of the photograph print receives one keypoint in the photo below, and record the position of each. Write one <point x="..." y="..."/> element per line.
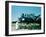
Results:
<point x="25" y="18"/>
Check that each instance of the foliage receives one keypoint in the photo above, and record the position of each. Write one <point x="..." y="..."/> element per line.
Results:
<point x="30" y="18"/>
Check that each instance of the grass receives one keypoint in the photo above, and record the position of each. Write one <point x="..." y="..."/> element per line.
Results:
<point x="30" y="26"/>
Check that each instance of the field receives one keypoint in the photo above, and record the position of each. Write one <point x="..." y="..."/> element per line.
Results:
<point x="28" y="26"/>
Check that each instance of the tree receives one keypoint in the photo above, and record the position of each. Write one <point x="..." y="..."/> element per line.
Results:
<point x="30" y="18"/>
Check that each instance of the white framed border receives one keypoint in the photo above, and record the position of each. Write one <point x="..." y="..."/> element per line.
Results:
<point x="25" y="31"/>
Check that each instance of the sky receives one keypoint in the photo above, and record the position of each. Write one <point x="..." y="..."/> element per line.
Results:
<point x="17" y="11"/>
